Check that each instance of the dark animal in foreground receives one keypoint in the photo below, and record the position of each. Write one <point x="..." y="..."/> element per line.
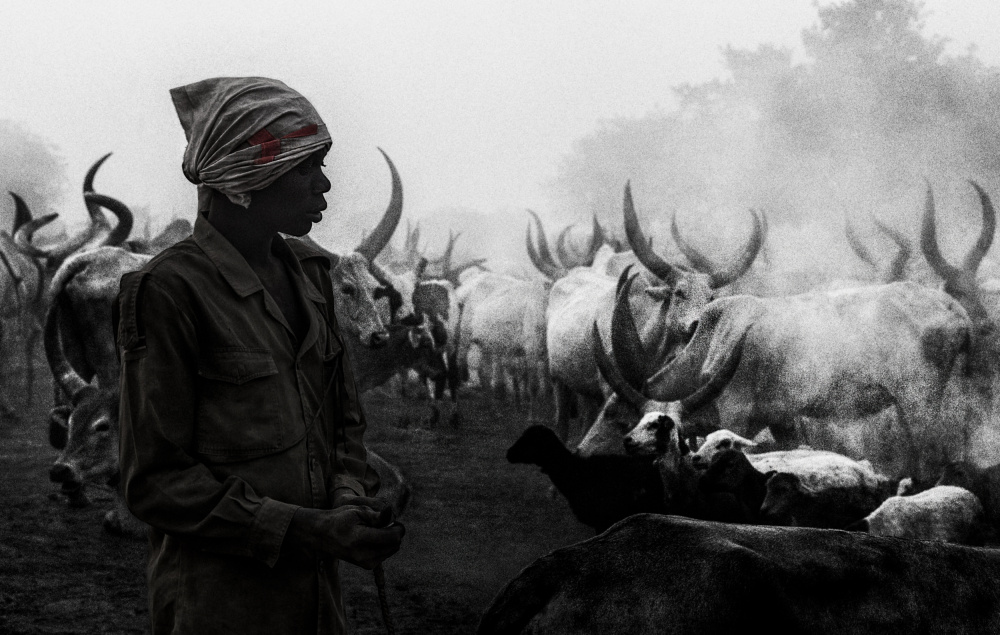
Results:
<point x="668" y="575"/>
<point x="601" y="490"/>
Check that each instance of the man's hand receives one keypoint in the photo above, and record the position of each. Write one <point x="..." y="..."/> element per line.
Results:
<point x="344" y="496"/>
<point x="354" y="533"/>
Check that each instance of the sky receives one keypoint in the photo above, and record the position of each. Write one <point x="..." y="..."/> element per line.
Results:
<point x="475" y="102"/>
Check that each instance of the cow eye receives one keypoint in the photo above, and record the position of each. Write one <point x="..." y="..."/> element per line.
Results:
<point x="102" y="426"/>
<point x="347" y="289"/>
<point x="680" y="294"/>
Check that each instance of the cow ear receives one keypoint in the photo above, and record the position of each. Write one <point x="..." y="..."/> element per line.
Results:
<point x="769" y="474"/>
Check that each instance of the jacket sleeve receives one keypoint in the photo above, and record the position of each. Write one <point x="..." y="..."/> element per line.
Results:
<point x="164" y="485"/>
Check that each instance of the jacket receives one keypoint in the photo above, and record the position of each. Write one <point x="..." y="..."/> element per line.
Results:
<point x="227" y="427"/>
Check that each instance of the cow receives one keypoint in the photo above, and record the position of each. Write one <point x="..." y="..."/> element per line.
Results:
<point x="26" y="268"/>
<point x="835" y="356"/>
<point x="669" y="300"/>
<point x="503" y="321"/>
<point x="82" y="353"/>
<point x="980" y="296"/>
<point x="664" y="574"/>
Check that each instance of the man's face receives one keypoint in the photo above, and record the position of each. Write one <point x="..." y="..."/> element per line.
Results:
<point x="295" y="201"/>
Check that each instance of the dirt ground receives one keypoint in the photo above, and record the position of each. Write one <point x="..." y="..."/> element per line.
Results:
<point x="474" y="522"/>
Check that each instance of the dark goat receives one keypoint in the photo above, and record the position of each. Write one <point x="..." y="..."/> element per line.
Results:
<point x="601" y="489"/>
<point x="789" y="502"/>
<point x="733" y="489"/>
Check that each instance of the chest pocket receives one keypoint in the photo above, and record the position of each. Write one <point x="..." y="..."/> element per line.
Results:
<point x="239" y="405"/>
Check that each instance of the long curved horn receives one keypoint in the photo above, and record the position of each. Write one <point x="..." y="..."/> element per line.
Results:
<point x="414" y="247"/>
<point x="623" y="277"/>
<point x="543" y="247"/>
<point x="24" y="234"/>
<point x="597" y="239"/>
<point x="88" y="186"/>
<point x="641" y="246"/>
<point x="376" y="241"/>
<point x="62" y="371"/>
<point x="125" y="218"/>
<point x="897" y="267"/>
<point x="88" y="180"/>
<point x="630" y="357"/>
<point x="611" y="374"/>
<point x="545" y="266"/>
<point x="698" y="260"/>
<point x="978" y="251"/>
<point x="929" y="244"/>
<point x="562" y="251"/>
<point x="720" y="278"/>
<point x="98" y="223"/>
<point x="859" y="248"/>
<point x="22" y="214"/>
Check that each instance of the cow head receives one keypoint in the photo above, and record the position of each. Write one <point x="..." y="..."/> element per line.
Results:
<point x="960" y="282"/>
<point x="87" y="427"/>
<point x="627" y="377"/>
<point x="684" y="292"/>
<point x="358" y="283"/>
<point x="656" y="434"/>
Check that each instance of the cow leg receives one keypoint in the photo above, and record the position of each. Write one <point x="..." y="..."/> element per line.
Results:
<point x="564" y="406"/>
<point x="587" y="413"/>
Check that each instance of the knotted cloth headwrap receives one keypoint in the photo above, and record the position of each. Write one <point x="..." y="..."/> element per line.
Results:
<point x="243" y="133"/>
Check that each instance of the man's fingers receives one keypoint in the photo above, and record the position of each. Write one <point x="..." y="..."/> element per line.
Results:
<point x="378" y="537"/>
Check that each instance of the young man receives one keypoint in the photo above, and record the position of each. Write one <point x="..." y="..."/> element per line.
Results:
<point x="241" y="428"/>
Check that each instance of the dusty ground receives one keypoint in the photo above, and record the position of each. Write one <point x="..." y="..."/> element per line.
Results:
<point x="474" y="522"/>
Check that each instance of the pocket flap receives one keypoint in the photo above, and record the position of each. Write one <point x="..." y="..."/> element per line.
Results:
<point x="237" y="366"/>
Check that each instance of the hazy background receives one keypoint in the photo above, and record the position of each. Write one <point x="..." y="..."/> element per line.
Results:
<point x="490" y="108"/>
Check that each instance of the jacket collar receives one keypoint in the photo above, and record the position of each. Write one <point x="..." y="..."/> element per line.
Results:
<point x="233" y="266"/>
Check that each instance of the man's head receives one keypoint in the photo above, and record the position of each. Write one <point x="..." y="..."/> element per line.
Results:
<point x="246" y="133"/>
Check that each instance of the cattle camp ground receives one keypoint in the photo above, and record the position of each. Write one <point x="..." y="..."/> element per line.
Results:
<point x="474" y="522"/>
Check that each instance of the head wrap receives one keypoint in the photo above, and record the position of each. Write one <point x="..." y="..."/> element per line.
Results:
<point x="243" y="133"/>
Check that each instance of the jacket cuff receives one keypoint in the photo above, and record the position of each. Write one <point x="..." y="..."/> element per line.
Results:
<point x="268" y="529"/>
<point x="340" y="480"/>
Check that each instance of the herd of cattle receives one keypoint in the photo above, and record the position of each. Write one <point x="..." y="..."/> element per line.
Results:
<point x="679" y="388"/>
